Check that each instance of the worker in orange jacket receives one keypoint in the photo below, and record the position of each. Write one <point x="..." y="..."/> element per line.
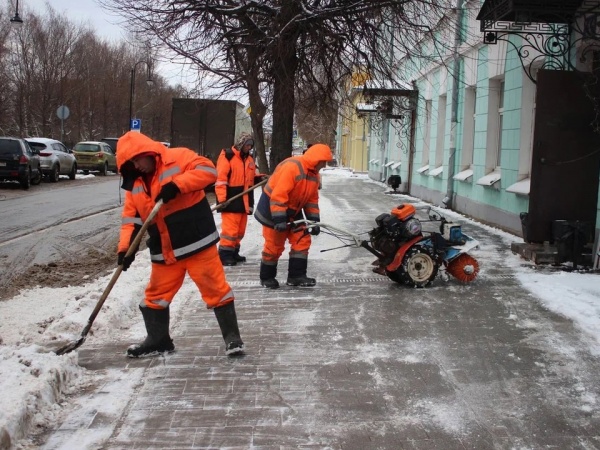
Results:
<point x="292" y="189"/>
<point x="236" y="173"/>
<point x="182" y="237"/>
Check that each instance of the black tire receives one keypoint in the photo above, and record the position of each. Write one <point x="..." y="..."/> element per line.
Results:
<point x="26" y="182"/>
<point x="54" y="175"/>
<point x="419" y="266"/>
<point x="73" y="172"/>
<point x="38" y="178"/>
<point x="104" y="170"/>
<point x="86" y="172"/>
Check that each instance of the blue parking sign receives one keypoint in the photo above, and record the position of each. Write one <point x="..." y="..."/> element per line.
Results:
<point x="136" y="125"/>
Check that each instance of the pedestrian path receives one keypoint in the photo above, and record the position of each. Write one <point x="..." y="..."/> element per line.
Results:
<point x="356" y="364"/>
<point x="360" y="362"/>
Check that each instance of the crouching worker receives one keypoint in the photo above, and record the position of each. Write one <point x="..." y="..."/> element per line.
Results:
<point x="182" y="237"/>
<point x="292" y="189"/>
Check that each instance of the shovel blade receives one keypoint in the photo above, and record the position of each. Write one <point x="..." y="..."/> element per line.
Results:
<point x="68" y="348"/>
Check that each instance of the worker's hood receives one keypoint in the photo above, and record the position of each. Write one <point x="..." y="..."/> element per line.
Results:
<point x="130" y="145"/>
<point x="317" y="153"/>
<point x="134" y="143"/>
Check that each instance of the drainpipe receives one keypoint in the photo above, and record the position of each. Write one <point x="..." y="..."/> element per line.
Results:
<point x="448" y="200"/>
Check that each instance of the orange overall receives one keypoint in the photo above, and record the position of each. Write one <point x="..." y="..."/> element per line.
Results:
<point x="235" y="174"/>
<point x="183" y="235"/>
<point x="292" y="190"/>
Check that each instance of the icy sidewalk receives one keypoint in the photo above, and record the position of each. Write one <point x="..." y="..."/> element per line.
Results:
<point x="357" y="362"/>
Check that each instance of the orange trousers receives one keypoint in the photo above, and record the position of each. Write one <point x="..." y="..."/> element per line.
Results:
<point x="233" y="229"/>
<point x="275" y="244"/>
<point x="204" y="268"/>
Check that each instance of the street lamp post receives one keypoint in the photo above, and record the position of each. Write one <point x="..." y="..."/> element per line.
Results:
<point x="16" y="20"/>
<point x="149" y="81"/>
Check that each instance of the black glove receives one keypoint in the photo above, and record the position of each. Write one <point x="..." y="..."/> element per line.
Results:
<point x="315" y="230"/>
<point x="259" y="178"/>
<point x="125" y="261"/>
<point x="168" y="192"/>
<point x="281" y="227"/>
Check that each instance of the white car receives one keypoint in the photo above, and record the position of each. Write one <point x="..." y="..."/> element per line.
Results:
<point x="55" y="158"/>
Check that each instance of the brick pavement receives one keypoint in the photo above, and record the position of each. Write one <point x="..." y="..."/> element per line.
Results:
<point x="360" y="362"/>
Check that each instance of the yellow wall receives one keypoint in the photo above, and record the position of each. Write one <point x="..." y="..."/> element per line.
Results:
<point x="353" y="148"/>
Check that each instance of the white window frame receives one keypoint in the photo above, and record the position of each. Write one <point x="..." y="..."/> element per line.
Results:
<point x="441" y="130"/>
<point x="470" y="117"/>
<point x="494" y="129"/>
<point x="426" y="134"/>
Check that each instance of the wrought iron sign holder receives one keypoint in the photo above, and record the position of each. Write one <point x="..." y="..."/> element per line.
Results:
<point x="397" y="111"/>
<point x="552" y="31"/>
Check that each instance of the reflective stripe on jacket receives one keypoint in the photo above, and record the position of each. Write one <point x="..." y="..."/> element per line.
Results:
<point x="185" y="225"/>
<point x="234" y="176"/>
<point x="293" y="188"/>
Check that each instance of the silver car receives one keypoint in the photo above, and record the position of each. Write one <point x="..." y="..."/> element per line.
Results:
<point x="55" y="158"/>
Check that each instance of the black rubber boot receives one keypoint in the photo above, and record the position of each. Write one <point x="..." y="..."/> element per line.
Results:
<point x="229" y="328"/>
<point x="237" y="257"/>
<point x="297" y="273"/>
<point x="227" y="256"/>
<point x="268" y="272"/>
<point x="158" y="340"/>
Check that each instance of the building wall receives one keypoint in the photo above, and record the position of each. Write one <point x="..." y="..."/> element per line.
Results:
<point x="483" y="69"/>
<point x="495" y="113"/>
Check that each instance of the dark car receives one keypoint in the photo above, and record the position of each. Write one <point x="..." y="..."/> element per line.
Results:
<point x="18" y="162"/>
<point x="112" y="142"/>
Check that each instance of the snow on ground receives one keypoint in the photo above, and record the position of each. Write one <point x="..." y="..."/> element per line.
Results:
<point x="34" y="381"/>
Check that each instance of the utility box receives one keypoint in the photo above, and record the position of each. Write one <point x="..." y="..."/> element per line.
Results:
<point x="207" y="126"/>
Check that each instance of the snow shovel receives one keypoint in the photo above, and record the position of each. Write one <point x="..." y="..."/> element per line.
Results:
<point x="77" y="343"/>
<point x="251" y="188"/>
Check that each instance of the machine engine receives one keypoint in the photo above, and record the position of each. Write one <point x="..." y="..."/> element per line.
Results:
<point x="394" y="229"/>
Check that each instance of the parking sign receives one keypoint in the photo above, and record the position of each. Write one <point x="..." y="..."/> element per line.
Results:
<point x="136" y="125"/>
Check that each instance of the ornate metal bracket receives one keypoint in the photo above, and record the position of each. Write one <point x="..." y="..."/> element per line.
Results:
<point x="397" y="111"/>
<point x="552" y="35"/>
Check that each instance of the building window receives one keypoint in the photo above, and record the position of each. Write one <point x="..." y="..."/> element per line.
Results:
<point x="495" y="124"/>
<point x="441" y="132"/>
<point x="470" y="108"/>
<point x="426" y="133"/>
<point x="500" y="124"/>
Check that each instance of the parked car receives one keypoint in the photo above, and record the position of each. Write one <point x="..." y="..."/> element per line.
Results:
<point x="18" y="162"/>
<point x="55" y="158"/>
<point x="95" y="155"/>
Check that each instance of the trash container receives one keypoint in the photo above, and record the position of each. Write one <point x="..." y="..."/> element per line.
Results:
<point x="570" y="238"/>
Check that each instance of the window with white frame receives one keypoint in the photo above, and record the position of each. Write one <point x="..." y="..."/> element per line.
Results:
<point x="469" y="111"/>
<point x="441" y="132"/>
<point x="495" y="124"/>
<point x="426" y="133"/>
<point x="528" y="107"/>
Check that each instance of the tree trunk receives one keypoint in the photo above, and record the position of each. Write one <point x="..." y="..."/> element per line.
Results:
<point x="284" y="73"/>
<point x="257" y="115"/>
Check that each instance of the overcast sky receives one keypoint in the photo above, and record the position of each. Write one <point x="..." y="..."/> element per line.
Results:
<point x="82" y="11"/>
<point x="107" y="25"/>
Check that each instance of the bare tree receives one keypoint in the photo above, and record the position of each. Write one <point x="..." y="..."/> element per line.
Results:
<point x="50" y="61"/>
<point x="276" y="44"/>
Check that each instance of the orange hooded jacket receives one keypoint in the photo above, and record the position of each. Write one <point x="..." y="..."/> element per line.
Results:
<point x="185" y="225"/>
<point x="235" y="175"/>
<point x="293" y="188"/>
